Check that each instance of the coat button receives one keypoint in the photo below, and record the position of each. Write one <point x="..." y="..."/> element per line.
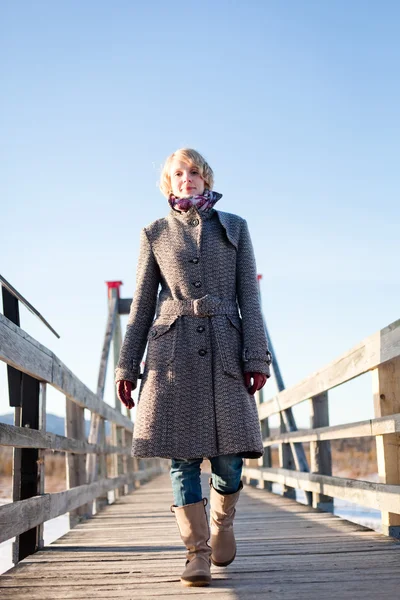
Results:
<point x="200" y="329"/>
<point x="194" y="261"/>
<point x="202" y="352"/>
<point x="197" y="284"/>
<point x="194" y="222"/>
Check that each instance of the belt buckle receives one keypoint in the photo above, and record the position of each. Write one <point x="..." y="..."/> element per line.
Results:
<point x="205" y="306"/>
<point x="198" y="307"/>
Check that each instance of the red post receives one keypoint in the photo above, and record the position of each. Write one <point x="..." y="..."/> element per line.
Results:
<point x="112" y="285"/>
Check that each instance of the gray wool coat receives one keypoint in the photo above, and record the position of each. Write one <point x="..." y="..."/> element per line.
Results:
<point x="204" y="328"/>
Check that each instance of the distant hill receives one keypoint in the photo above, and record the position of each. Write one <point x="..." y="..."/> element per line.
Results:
<point x="54" y="424"/>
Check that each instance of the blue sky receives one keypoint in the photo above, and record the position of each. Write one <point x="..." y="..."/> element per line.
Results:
<point x="295" y="105"/>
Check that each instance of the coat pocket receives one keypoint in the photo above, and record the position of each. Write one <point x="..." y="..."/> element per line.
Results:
<point x="228" y="331"/>
<point x="162" y="339"/>
<point x="236" y="321"/>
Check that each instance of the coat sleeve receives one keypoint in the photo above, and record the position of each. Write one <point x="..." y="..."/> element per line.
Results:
<point x="256" y="356"/>
<point x="141" y="314"/>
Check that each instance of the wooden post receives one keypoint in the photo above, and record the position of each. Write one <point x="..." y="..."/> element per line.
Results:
<point x="265" y="460"/>
<point x="286" y="461"/>
<point x="97" y="465"/>
<point x="386" y="390"/>
<point x="28" y="398"/>
<point x="320" y="452"/>
<point x="254" y="463"/>
<point x="101" y="501"/>
<point x="17" y="456"/>
<point x="130" y="464"/>
<point x="136" y="468"/>
<point x="118" y="433"/>
<point x="41" y="455"/>
<point x="26" y="465"/>
<point x="76" y="463"/>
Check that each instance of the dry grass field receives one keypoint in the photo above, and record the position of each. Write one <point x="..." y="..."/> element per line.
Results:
<point x="55" y="478"/>
<point x="353" y="458"/>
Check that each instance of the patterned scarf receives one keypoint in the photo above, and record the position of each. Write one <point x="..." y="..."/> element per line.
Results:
<point x="203" y="202"/>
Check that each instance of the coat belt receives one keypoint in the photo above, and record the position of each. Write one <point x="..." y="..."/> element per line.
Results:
<point x="207" y="306"/>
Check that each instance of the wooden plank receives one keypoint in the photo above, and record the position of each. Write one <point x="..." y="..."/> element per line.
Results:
<point x="65" y="381"/>
<point x="17" y="517"/>
<point x="320" y="452"/>
<point x="374" y="495"/>
<point x="20" y="350"/>
<point x="21" y="437"/>
<point x="11" y="290"/>
<point x="285" y="550"/>
<point x="365" y="356"/>
<point x="145" y="580"/>
<point x="371" y="427"/>
<point x="311" y="589"/>
<point x="386" y="390"/>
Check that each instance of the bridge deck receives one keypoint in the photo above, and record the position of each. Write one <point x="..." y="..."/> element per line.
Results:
<point x="132" y="549"/>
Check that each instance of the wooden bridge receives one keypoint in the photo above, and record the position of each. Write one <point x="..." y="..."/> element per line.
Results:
<point x="131" y="548"/>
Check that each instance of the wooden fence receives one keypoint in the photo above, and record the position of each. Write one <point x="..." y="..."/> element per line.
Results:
<point x="31" y="367"/>
<point x="379" y="353"/>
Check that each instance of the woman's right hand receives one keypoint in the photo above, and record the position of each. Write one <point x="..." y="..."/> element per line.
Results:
<point x="124" y="391"/>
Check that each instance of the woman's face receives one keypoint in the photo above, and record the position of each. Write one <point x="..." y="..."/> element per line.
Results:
<point x="185" y="179"/>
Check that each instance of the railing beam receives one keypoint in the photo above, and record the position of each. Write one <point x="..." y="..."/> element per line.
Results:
<point x="369" y="428"/>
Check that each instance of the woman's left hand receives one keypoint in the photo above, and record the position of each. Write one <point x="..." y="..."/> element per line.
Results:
<point x="259" y="380"/>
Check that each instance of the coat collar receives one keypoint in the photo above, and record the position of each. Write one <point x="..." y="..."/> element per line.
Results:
<point x="230" y="222"/>
<point x="191" y="213"/>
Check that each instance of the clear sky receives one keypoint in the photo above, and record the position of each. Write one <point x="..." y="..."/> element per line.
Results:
<point x="295" y="105"/>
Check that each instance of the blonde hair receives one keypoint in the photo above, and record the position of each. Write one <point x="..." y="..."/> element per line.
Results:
<point x="190" y="157"/>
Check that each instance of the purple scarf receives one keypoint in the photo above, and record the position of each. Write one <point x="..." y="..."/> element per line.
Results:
<point x="203" y="202"/>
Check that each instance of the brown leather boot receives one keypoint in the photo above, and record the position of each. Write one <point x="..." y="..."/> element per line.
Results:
<point x="222" y="513"/>
<point x="195" y="533"/>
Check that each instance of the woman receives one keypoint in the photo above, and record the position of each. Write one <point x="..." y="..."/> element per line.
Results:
<point x="204" y="360"/>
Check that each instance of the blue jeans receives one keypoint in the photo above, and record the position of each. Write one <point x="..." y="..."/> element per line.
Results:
<point x="185" y="477"/>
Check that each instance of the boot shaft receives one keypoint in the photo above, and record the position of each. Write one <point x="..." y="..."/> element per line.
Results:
<point x="195" y="533"/>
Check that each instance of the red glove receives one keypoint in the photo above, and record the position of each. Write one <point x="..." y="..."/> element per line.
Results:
<point x="259" y="380"/>
<point x="124" y="391"/>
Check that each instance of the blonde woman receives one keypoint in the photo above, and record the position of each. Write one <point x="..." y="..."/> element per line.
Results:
<point x="197" y="306"/>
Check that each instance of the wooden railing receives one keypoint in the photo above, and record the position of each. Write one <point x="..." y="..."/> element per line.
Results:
<point x="31" y="367"/>
<point x="380" y="353"/>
